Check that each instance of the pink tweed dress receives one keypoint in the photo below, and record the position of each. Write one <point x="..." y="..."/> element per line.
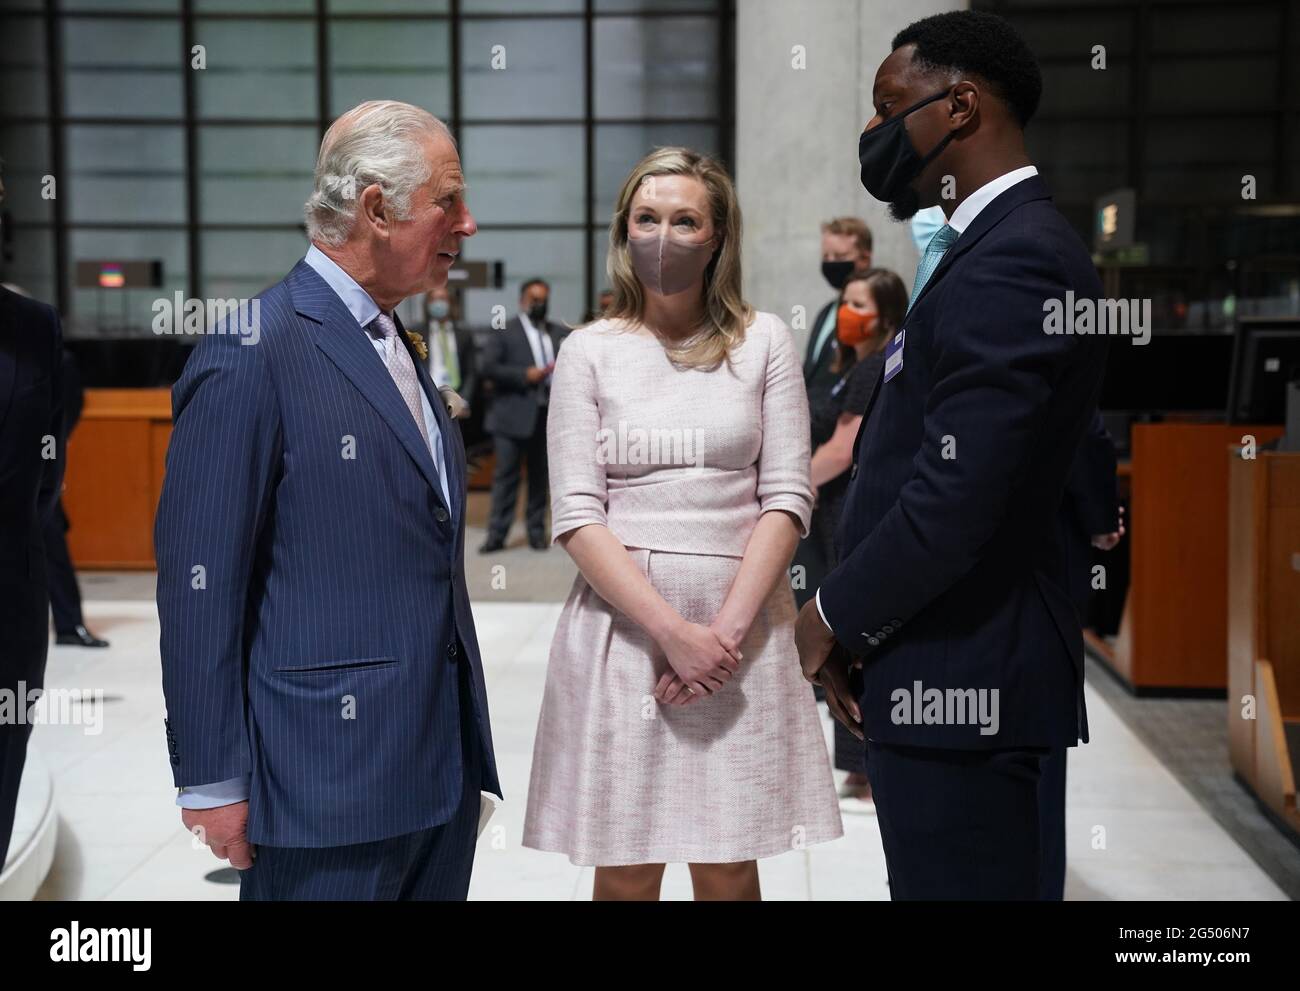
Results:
<point x="679" y="464"/>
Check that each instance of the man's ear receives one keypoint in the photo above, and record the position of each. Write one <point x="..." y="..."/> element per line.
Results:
<point x="966" y="100"/>
<point x="374" y="210"/>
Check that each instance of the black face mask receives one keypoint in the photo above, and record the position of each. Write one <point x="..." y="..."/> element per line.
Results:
<point x="889" y="161"/>
<point x="537" y="313"/>
<point x="836" y="272"/>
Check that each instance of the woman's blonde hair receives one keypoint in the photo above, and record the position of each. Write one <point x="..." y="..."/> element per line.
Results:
<point x="726" y="314"/>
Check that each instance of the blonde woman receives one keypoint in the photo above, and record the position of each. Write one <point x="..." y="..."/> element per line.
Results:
<point x="676" y="726"/>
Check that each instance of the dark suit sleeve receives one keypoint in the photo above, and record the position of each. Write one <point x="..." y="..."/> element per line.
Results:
<point x="1090" y="490"/>
<point x="468" y="356"/>
<point x="53" y="468"/>
<point x="992" y="381"/>
<point x="222" y="464"/>
<point x="496" y="367"/>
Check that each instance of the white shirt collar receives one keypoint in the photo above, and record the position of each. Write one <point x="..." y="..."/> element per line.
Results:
<point x="972" y="205"/>
<point x="528" y="324"/>
<point x="357" y="300"/>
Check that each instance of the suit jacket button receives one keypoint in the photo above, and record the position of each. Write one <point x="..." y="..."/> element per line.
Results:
<point x="898" y="623"/>
<point x="873" y="641"/>
<point x="853" y="472"/>
<point x="440" y="515"/>
<point x="451" y="650"/>
<point x="881" y="634"/>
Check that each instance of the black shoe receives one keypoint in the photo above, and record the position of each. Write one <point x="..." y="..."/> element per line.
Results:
<point x="491" y="546"/>
<point x="79" y="637"/>
<point x="538" y="543"/>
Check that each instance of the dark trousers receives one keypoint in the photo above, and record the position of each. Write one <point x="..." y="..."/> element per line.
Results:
<point x="428" y="865"/>
<point x="1051" y="822"/>
<point x="60" y="576"/>
<point x="958" y="824"/>
<point x="511" y="453"/>
<point x="27" y="671"/>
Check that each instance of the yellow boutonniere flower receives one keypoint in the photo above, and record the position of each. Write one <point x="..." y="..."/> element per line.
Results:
<point x="417" y="342"/>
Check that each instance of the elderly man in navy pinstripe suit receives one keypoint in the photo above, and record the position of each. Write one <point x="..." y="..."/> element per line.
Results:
<point x="327" y="716"/>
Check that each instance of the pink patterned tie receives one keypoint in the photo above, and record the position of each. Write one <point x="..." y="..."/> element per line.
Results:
<point x="399" y="364"/>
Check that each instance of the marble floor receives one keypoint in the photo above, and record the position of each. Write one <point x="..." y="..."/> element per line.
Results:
<point x="1133" y="830"/>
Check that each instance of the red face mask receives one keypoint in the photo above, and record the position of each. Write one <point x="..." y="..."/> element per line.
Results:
<point x="852" y="327"/>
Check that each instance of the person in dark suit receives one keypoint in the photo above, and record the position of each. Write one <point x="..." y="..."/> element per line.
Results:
<point x="1090" y="517"/>
<point x="952" y="588"/>
<point x="846" y="248"/>
<point x="325" y="693"/>
<point x="31" y="466"/>
<point x="452" y="363"/>
<point x="65" y="597"/>
<point x="518" y="361"/>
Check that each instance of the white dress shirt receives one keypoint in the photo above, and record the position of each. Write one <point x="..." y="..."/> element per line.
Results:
<point x="959" y="220"/>
<point x="543" y="350"/>
<point x="363" y="310"/>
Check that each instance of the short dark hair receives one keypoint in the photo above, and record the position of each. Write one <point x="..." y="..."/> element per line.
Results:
<point x="528" y="284"/>
<point x="984" y="45"/>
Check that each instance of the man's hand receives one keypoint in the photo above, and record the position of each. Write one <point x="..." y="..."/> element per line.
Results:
<point x="535" y="374"/>
<point x="834" y="679"/>
<point x="1107" y="541"/>
<point x="224" y="830"/>
<point x="812" y="639"/>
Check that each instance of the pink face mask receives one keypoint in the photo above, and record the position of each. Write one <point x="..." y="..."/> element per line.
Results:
<point x="666" y="265"/>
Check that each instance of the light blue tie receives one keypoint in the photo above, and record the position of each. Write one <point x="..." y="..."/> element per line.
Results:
<point x="943" y="239"/>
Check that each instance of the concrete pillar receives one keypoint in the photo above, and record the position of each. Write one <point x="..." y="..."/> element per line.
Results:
<point x="804" y="73"/>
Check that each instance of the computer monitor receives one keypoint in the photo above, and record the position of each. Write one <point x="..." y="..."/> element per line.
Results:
<point x="1265" y="357"/>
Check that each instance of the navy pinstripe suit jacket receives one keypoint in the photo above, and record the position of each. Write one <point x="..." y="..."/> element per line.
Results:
<point x="311" y="586"/>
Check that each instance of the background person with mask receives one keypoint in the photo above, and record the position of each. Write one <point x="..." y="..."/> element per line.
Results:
<point x="846" y="248"/>
<point x="924" y="225"/>
<point x="518" y="361"/>
<point x="452" y="361"/>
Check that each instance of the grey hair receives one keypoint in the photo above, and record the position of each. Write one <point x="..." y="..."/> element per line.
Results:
<point x="379" y="142"/>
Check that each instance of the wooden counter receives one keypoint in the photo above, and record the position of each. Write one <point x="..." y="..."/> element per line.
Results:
<point x="1264" y="630"/>
<point x="1174" y="634"/>
<point x="114" y="477"/>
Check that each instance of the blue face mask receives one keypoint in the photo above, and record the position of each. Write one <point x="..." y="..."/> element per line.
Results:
<point x="925" y="223"/>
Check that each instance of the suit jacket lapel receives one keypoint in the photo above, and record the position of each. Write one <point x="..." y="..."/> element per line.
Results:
<point x="347" y="345"/>
<point x="453" y="449"/>
<point x="1024" y="191"/>
<point x="809" y="364"/>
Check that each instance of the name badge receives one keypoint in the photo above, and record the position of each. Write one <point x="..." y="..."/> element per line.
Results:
<point x="894" y="356"/>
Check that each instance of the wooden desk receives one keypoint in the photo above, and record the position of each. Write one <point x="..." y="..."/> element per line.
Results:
<point x="1264" y="629"/>
<point x="114" y="477"/>
<point x="1174" y="634"/>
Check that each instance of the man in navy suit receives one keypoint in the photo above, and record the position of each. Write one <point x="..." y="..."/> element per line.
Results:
<point x="31" y="460"/>
<point x="953" y="590"/>
<point x="327" y="715"/>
